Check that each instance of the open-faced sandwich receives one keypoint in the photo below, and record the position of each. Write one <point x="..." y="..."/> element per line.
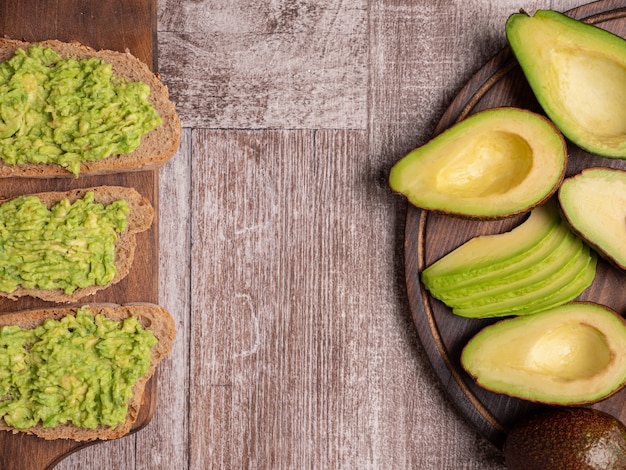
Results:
<point x="63" y="246"/>
<point x="67" y="109"/>
<point x="79" y="373"/>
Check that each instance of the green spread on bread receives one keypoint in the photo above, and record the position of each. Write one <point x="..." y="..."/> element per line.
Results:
<point x="68" y="111"/>
<point x="79" y="369"/>
<point x="68" y="246"/>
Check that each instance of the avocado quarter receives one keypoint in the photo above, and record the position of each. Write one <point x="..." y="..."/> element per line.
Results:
<point x="594" y="203"/>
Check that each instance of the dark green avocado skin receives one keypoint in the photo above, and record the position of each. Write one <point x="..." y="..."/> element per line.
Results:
<point x="567" y="438"/>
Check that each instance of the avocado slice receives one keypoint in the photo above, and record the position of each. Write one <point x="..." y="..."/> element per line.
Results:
<point x="550" y="270"/>
<point x="577" y="72"/>
<point x="574" y="278"/>
<point x="490" y="256"/>
<point x="594" y="203"/>
<point x="569" y="437"/>
<point x="567" y="293"/>
<point x="495" y="163"/>
<point x="550" y="255"/>
<point x="571" y="354"/>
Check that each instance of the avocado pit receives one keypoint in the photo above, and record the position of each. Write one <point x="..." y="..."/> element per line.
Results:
<point x="569" y="352"/>
<point x="491" y="163"/>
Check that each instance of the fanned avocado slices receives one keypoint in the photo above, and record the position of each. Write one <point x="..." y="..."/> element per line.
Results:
<point x="539" y="264"/>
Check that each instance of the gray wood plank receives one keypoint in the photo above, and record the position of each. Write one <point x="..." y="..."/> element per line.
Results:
<point x="257" y="65"/>
<point x="302" y="355"/>
<point x="243" y="353"/>
<point x="164" y="443"/>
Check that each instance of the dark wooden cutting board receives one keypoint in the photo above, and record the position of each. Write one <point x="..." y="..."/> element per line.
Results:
<point x="102" y="24"/>
<point x="429" y="236"/>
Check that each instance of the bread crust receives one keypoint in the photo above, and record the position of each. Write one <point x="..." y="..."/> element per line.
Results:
<point x="151" y="316"/>
<point x="139" y="220"/>
<point x="156" y="146"/>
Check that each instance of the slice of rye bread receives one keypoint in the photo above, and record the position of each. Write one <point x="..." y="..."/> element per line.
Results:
<point x="139" y="220"/>
<point x="156" y="146"/>
<point x="152" y="317"/>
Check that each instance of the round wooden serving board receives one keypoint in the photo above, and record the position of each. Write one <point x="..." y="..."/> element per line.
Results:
<point x="429" y="236"/>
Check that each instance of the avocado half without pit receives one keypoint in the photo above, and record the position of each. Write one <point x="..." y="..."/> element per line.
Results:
<point x="577" y="72"/>
<point x="594" y="203"/>
<point x="495" y="163"/>
<point x="572" y="354"/>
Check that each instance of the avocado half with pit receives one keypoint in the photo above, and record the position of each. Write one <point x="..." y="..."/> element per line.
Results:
<point x="571" y="354"/>
<point x="495" y="163"/>
<point x="594" y="203"/>
<point x="577" y="72"/>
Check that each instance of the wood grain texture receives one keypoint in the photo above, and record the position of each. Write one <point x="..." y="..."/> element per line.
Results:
<point x="241" y="323"/>
<point x="103" y="24"/>
<point x="286" y="64"/>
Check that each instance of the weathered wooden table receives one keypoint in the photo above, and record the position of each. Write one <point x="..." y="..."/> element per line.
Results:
<point x="280" y="246"/>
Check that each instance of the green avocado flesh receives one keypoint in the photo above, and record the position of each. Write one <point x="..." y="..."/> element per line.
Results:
<point x="488" y="256"/>
<point x="561" y="265"/>
<point x="535" y="266"/>
<point x="68" y="111"/>
<point x="495" y="163"/>
<point x="569" y="437"/>
<point x="594" y="203"/>
<point x="69" y="246"/>
<point x="577" y="71"/>
<point x="79" y="369"/>
<point x="561" y="245"/>
<point x="570" y="354"/>
<point x="577" y="276"/>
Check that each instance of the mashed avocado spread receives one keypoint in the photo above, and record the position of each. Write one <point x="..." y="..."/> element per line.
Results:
<point x="65" y="111"/>
<point x="79" y="369"/>
<point x="68" y="246"/>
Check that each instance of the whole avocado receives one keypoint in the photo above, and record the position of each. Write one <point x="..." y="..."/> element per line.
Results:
<point x="567" y="438"/>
